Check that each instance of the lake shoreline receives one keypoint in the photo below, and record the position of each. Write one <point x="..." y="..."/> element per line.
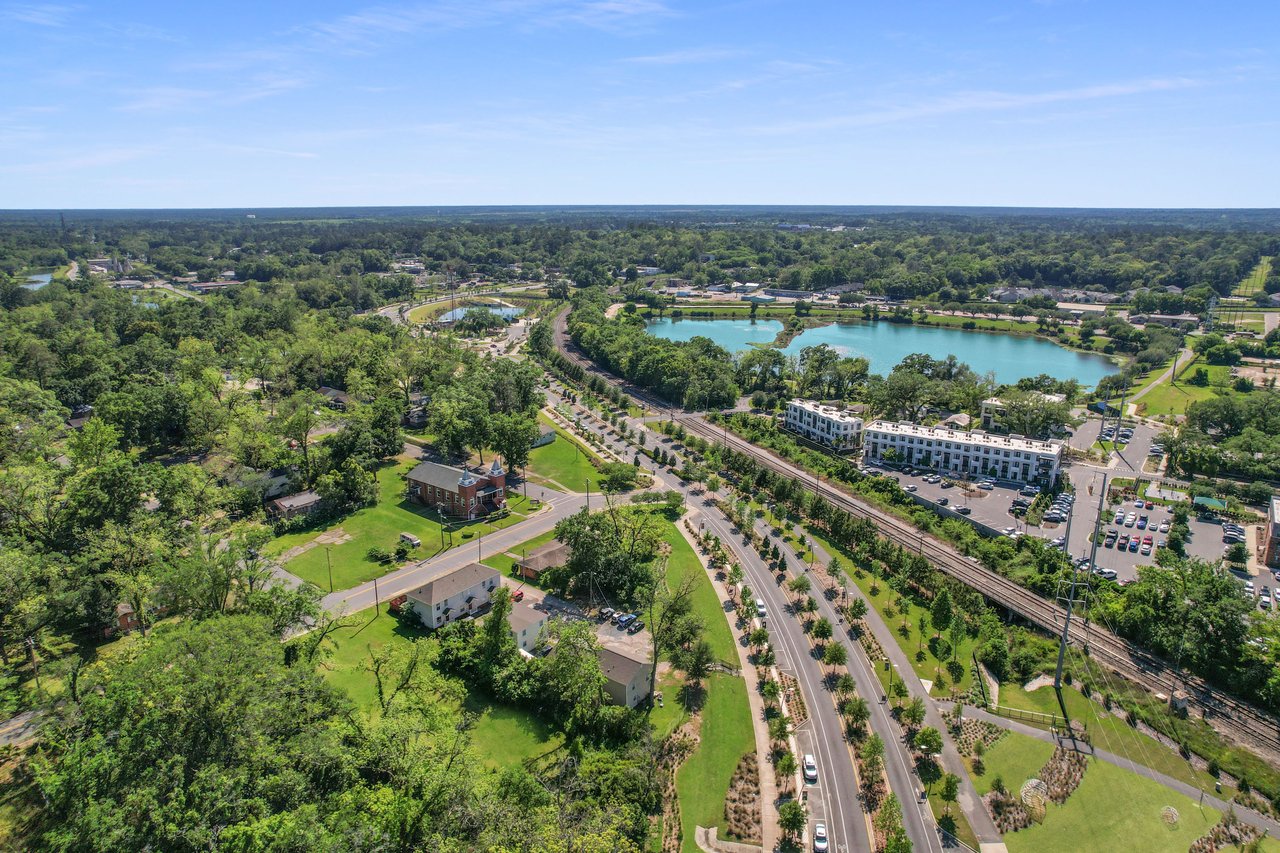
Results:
<point x="881" y="338"/>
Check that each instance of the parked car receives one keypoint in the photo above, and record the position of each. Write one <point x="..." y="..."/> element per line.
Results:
<point x="946" y="484"/>
<point x="1134" y="544"/>
<point x="810" y="769"/>
<point x="910" y="487"/>
<point x="943" y="501"/>
<point x="626" y="620"/>
<point x="1123" y="541"/>
<point x="1130" y="519"/>
<point x="635" y="627"/>
<point x="760" y="611"/>
<point x="986" y="487"/>
<point x="963" y="510"/>
<point x="606" y="614"/>
<point x="1142" y="522"/>
<point x="820" y="842"/>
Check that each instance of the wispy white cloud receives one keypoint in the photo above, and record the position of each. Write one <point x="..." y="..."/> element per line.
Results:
<point x="41" y="14"/>
<point x="685" y="57"/>
<point x="983" y="101"/>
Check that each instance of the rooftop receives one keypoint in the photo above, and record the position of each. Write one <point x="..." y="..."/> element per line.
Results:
<point x="553" y="553"/>
<point x="297" y="501"/>
<point x="453" y="582"/>
<point x="835" y="414"/>
<point x="977" y="437"/>
<point x="618" y="667"/>
<point x="524" y="616"/>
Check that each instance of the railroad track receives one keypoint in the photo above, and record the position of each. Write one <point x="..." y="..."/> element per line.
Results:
<point x="1240" y="721"/>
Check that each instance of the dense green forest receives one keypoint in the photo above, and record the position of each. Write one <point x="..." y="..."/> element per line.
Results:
<point x="139" y="436"/>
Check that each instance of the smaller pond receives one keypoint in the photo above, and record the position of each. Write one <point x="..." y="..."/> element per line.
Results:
<point x="36" y="281"/>
<point x="502" y="311"/>
<point x="733" y="335"/>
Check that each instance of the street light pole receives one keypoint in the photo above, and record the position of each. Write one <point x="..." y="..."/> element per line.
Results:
<point x="328" y="556"/>
<point x="587" y="482"/>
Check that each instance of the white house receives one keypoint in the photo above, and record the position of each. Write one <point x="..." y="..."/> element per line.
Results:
<point x="975" y="454"/>
<point x="836" y="428"/>
<point x="627" y="678"/>
<point x="453" y="595"/>
<point x="526" y="625"/>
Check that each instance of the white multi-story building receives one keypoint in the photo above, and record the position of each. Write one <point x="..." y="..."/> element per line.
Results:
<point x="973" y="454"/>
<point x="825" y="425"/>
<point x="461" y="592"/>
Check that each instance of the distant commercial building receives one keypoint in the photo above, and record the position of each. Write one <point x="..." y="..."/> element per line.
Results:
<point x="1271" y="534"/>
<point x="972" y="454"/>
<point x="993" y="409"/>
<point x="1170" y="320"/>
<point x="829" y="426"/>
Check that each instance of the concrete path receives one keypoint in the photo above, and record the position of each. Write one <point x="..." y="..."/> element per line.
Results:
<point x="1272" y="827"/>
<point x="768" y="783"/>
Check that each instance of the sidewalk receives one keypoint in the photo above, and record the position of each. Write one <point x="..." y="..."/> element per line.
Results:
<point x="970" y="803"/>
<point x="768" y="784"/>
<point x="1246" y="815"/>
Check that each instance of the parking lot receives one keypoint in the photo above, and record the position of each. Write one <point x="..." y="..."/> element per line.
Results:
<point x="991" y="507"/>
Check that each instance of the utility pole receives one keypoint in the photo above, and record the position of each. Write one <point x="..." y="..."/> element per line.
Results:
<point x="376" y="603"/>
<point x="1071" y="593"/>
<point x="587" y="483"/>
<point x="328" y="557"/>
<point x="35" y="664"/>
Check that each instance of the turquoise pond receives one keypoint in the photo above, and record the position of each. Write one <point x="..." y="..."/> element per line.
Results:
<point x="503" y="311"/>
<point x="1011" y="357"/>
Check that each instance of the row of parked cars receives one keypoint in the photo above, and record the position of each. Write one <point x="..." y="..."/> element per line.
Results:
<point x="1232" y="533"/>
<point x="631" y="622"/>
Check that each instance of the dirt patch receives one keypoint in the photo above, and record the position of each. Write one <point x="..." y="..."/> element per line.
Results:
<point x="337" y="536"/>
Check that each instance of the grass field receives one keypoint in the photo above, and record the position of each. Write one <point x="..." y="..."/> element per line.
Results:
<point x="502" y="735"/>
<point x="563" y="464"/>
<point x="1113" y="809"/>
<point x="379" y="525"/>
<point x="703" y="780"/>
<point x="1170" y="399"/>
<point x="1108" y="732"/>
<point x="506" y="564"/>
<point x="705" y="601"/>
<point x="1252" y="284"/>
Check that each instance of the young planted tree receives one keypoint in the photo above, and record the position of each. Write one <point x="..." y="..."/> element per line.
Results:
<point x="913" y="713"/>
<point x="792" y="817"/>
<point x="950" y="791"/>
<point x="940" y="612"/>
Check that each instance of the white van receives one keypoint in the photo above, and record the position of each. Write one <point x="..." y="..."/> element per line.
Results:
<point x="410" y="540"/>
<point x="760" y="611"/>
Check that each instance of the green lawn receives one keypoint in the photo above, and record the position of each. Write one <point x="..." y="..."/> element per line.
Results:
<point x="1108" y="732"/>
<point x="379" y="525"/>
<point x="703" y="780"/>
<point x="502" y="735"/>
<point x="1113" y="808"/>
<point x="705" y="601"/>
<point x="1170" y="399"/>
<point x="907" y="632"/>
<point x="1254" y="281"/>
<point x="1014" y="759"/>
<point x="564" y="461"/>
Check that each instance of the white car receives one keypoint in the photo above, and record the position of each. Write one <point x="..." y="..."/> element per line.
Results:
<point x="1264" y="600"/>
<point x="810" y="770"/>
<point x="820" y="838"/>
<point x="910" y="487"/>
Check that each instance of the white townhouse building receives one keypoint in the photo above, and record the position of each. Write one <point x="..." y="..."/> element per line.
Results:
<point x="457" y="593"/>
<point x="973" y="454"/>
<point x="825" y="425"/>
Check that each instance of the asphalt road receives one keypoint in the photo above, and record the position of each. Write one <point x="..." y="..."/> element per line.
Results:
<point x="557" y="506"/>
<point x="835" y="799"/>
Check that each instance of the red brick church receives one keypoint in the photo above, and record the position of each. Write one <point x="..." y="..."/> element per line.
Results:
<point x="459" y="492"/>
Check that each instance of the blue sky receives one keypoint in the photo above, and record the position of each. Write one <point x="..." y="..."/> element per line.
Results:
<point x="232" y="104"/>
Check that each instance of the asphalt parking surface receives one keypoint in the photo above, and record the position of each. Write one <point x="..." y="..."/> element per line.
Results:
<point x="992" y="509"/>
